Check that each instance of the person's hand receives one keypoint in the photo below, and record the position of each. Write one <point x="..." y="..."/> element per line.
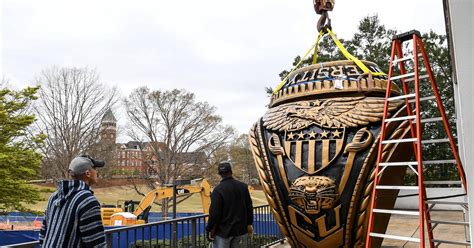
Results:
<point x="210" y="237"/>
<point x="250" y="229"/>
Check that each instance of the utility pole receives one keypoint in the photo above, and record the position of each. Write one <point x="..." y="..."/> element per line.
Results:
<point x="175" y="224"/>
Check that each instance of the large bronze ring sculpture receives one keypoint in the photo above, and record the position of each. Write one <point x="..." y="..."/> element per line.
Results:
<point x="315" y="150"/>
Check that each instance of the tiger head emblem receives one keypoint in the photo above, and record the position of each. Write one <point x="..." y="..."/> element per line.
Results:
<point x="313" y="193"/>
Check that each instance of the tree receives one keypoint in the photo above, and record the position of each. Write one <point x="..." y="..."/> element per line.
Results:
<point x="242" y="160"/>
<point x="71" y="105"/>
<point x="372" y="42"/>
<point x="219" y="155"/>
<point x="173" y="124"/>
<point x="19" y="161"/>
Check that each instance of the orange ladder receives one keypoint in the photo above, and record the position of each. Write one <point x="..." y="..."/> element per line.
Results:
<point x="402" y="60"/>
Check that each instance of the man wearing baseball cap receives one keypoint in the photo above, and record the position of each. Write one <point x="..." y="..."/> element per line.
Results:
<point x="72" y="217"/>
<point x="231" y="211"/>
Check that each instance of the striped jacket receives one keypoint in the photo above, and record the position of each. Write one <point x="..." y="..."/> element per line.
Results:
<point x="72" y="218"/>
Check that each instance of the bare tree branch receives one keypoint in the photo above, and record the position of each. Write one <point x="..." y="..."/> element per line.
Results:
<point x="179" y="134"/>
<point x="70" y="107"/>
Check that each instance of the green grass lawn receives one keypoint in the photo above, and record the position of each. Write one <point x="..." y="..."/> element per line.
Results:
<point x="111" y="195"/>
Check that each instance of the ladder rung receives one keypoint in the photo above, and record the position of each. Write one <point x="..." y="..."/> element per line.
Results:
<point x="427" y="120"/>
<point x="401" y="97"/>
<point x="452" y="242"/>
<point x="446" y="222"/>
<point x="398" y="163"/>
<point x="403" y="59"/>
<point x="387" y="236"/>
<point x="449" y="161"/>
<point x="411" y="74"/>
<point x="413" y="78"/>
<point x="426" y="98"/>
<point x="398" y="212"/>
<point x="442" y="182"/>
<point x="410" y="117"/>
<point x="399" y="141"/>
<point x="396" y="187"/>
<point x="408" y="163"/>
<point x="446" y="202"/>
<point x="461" y="204"/>
<point x="434" y="141"/>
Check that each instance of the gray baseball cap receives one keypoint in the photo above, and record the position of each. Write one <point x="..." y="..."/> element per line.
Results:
<point x="80" y="164"/>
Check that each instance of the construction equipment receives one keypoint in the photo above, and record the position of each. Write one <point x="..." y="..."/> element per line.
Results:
<point x="112" y="216"/>
<point x="418" y="117"/>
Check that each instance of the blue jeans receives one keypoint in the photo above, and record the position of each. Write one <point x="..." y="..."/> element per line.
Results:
<point x="230" y="242"/>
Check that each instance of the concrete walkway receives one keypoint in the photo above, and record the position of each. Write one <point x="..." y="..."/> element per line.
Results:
<point x="408" y="226"/>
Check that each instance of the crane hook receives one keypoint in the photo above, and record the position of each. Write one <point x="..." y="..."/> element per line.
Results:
<point x="322" y="7"/>
<point x="324" y="22"/>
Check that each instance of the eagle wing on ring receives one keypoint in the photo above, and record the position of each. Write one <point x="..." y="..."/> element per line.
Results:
<point x="332" y="113"/>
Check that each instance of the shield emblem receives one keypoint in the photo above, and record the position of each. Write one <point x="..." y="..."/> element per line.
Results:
<point x="314" y="149"/>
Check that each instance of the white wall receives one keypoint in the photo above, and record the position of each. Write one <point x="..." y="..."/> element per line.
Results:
<point x="461" y="28"/>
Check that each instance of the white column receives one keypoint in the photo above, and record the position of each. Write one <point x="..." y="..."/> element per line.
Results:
<point x="461" y="29"/>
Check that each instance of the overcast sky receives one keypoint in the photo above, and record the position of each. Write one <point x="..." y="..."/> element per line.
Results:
<point x="224" y="51"/>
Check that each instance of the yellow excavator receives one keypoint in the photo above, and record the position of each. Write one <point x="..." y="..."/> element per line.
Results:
<point x="132" y="214"/>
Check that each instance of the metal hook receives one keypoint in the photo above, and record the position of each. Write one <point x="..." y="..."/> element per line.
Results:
<point x="324" y="22"/>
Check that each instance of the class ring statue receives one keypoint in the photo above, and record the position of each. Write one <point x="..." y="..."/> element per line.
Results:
<point x="315" y="150"/>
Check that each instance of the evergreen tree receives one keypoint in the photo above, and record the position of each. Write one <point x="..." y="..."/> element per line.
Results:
<point x="19" y="161"/>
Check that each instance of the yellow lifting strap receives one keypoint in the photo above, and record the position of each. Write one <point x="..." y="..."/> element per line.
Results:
<point x="341" y="47"/>
<point x="315" y="54"/>
<point x="296" y="66"/>
<point x="351" y="57"/>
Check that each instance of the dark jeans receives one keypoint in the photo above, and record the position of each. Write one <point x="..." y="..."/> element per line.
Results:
<point x="230" y="242"/>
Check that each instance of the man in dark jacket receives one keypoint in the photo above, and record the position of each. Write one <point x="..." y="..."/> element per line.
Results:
<point x="72" y="218"/>
<point x="231" y="211"/>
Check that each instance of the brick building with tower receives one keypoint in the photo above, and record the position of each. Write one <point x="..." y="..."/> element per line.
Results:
<point x="133" y="157"/>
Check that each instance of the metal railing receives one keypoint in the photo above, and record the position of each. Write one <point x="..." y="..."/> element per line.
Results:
<point x="187" y="232"/>
<point x="180" y="232"/>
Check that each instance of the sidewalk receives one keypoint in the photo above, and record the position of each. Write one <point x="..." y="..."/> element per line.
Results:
<point x="406" y="226"/>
